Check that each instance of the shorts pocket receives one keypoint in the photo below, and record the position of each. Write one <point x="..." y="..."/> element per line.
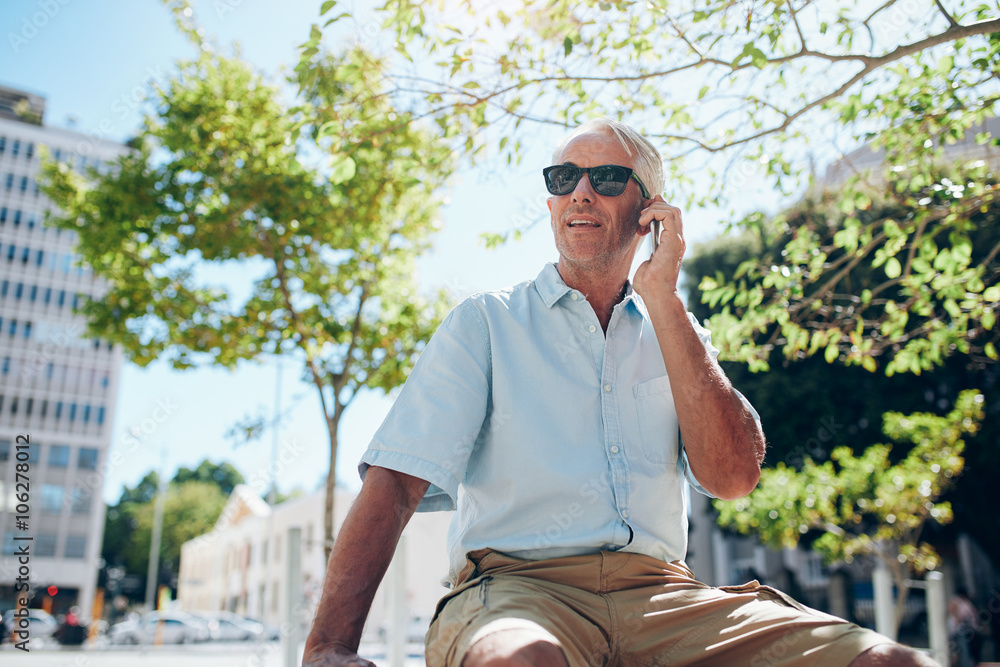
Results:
<point x="654" y="406"/>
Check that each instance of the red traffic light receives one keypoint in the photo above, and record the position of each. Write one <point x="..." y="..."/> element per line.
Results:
<point x="52" y="590"/>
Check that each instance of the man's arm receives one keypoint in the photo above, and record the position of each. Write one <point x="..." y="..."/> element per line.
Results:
<point x="724" y="443"/>
<point x="360" y="558"/>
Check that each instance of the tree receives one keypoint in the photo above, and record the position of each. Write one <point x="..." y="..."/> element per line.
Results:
<point x="193" y="503"/>
<point x="327" y="203"/>
<point x="866" y="504"/>
<point x="736" y="91"/>
<point x="835" y="402"/>
<point x="223" y="475"/>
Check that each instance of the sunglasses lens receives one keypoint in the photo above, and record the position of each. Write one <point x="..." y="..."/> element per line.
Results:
<point x="609" y="180"/>
<point x="562" y="179"/>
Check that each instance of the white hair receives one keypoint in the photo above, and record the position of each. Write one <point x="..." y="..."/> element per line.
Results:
<point x="648" y="164"/>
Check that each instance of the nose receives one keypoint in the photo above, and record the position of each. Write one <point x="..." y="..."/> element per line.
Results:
<point x="584" y="191"/>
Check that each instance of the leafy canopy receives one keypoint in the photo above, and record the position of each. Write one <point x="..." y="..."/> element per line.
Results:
<point x="742" y="94"/>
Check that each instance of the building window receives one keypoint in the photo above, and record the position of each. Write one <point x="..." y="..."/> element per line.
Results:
<point x="62" y="298"/>
<point x="3" y="145"/>
<point x="27" y="330"/>
<point x="18" y="291"/>
<point x="4" y="450"/>
<point x="80" y="501"/>
<point x="44" y="409"/>
<point x="34" y="453"/>
<point x="100" y="415"/>
<point x="52" y="498"/>
<point x="75" y="546"/>
<point x="58" y="155"/>
<point x="45" y="545"/>
<point x="87" y="459"/>
<point x="72" y="412"/>
<point x="5" y="366"/>
<point x="29" y="151"/>
<point x="24" y="184"/>
<point x="38" y="258"/>
<point x="3" y="215"/>
<point x="86" y="414"/>
<point x="59" y="455"/>
<point x="59" y="410"/>
<point x="11" y="251"/>
<point x="48" y="295"/>
<point x="4" y="286"/>
<point x="9" y="184"/>
<point x="29" y="405"/>
<point x="15" y="150"/>
<point x="17" y="218"/>
<point x="34" y="293"/>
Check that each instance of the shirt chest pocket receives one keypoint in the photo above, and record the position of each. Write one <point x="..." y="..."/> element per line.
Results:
<point x="654" y="406"/>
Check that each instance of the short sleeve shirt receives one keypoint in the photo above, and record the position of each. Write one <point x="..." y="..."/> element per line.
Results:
<point x="549" y="437"/>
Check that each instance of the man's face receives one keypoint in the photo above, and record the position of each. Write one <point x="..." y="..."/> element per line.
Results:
<point x="592" y="231"/>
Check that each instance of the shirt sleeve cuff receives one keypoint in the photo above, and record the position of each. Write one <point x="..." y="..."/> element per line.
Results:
<point x="441" y="495"/>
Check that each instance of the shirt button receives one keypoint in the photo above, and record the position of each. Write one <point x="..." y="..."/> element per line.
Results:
<point x="574" y="296"/>
<point x="607" y="387"/>
<point x="592" y="328"/>
<point x="614" y="449"/>
<point x="625" y="514"/>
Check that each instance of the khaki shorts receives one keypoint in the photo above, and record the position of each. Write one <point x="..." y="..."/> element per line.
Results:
<point x="613" y="608"/>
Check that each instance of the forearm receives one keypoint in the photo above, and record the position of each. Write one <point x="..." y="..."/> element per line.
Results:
<point x="724" y="443"/>
<point x="361" y="555"/>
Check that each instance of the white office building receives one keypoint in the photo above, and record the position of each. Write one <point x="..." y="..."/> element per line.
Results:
<point x="57" y="387"/>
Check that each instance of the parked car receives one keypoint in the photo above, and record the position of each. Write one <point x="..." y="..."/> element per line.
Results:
<point x="162" y="627"/>
<point x="233" y="627"/>
<point x="41" y="624"/>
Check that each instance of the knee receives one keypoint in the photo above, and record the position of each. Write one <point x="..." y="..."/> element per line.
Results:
<point x="512" y="648"/>
<point x="892" y="655"/>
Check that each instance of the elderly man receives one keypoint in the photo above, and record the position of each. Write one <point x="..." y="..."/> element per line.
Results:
<point x="561" y="418"/>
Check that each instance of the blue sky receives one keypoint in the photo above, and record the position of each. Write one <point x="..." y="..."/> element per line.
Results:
<point x="93" y="62"/>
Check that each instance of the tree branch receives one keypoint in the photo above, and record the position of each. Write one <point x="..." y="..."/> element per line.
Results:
<point x="947" y="15"/>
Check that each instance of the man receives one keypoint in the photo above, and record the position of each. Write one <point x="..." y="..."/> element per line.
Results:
<point x="560" y="418"/>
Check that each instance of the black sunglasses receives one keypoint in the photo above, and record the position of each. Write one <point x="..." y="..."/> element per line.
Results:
<point x="608" y="179"/>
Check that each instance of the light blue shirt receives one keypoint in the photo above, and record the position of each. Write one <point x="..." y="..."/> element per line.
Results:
<point x="549" y="438"/>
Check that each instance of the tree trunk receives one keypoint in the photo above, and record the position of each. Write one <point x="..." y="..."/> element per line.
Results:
<point x="332" y="424"/>
<point x="899" y="572"/>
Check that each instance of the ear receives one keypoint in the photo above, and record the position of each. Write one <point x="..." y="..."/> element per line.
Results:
<point x="642" y="230"/>
<point x="548" y="202"/>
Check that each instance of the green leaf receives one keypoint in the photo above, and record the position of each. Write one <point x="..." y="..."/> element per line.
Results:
<point x="327" y="6"/>
<point x="567" y="45"/>
<point x="893" y="268"/>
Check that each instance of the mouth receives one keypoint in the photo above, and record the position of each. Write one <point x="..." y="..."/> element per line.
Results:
<point x="577" y="222"/>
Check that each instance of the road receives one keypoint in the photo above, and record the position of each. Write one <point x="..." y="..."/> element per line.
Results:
<point x="215" y="654"/>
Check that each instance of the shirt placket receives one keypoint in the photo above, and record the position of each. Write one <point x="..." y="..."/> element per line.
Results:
<point x="613" y="444"/>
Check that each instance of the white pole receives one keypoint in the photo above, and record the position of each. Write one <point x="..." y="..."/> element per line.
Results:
<point x="937" y="618"/>
<point x="885" y="612"/>
<point x="398" y="611"/>
<point x="293" y="596"/>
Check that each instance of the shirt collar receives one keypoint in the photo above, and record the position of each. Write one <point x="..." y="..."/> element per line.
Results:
<point x="551" y="288"/>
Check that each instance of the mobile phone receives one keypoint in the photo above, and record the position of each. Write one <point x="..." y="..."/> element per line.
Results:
<point x="656" y="235"/>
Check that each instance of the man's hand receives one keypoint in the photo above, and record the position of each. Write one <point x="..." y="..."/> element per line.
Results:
<point x="334" y="656"/>
<point x="657" y="277"/>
